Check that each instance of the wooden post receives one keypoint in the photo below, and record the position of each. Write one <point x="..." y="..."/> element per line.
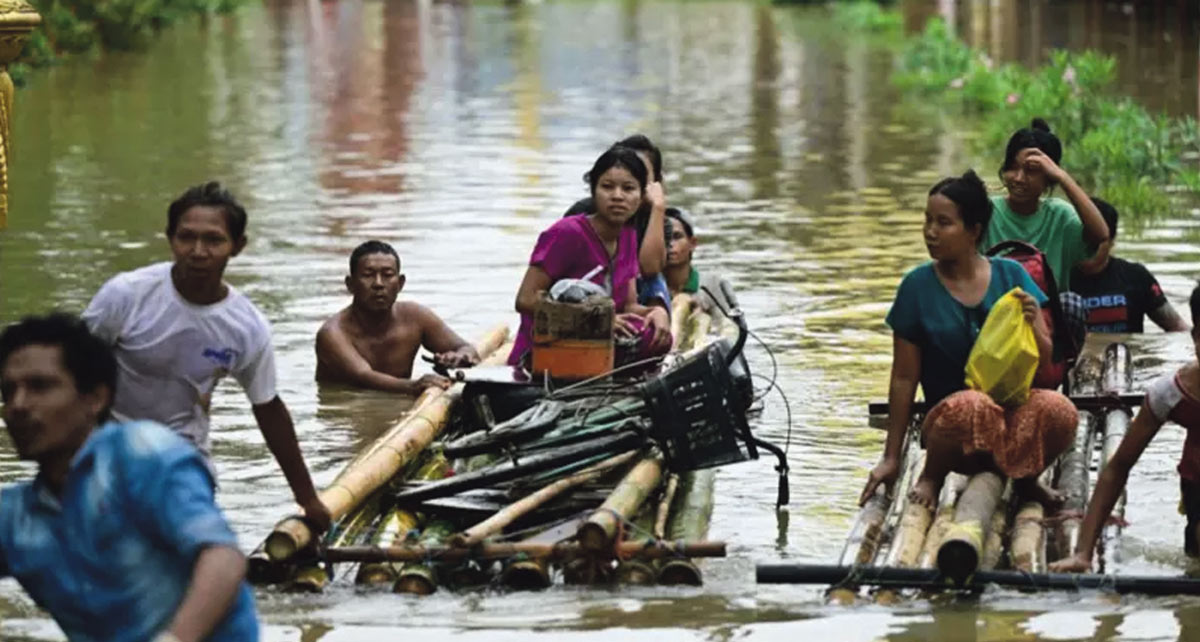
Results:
<point x="961" y="550"/>
<point x="17" y="20"/>
<point x="391" y="452"/>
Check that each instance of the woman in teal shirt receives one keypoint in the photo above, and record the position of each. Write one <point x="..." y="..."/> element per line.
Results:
<point x="1065" y="234"/>
<point x="936" y="316"/>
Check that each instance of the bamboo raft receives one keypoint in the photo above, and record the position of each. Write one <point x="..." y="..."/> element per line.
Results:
<point x="980" y="528"/>
<point x="591" y="502"/>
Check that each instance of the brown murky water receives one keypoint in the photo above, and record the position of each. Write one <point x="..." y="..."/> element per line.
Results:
<point x="459" y="131"/>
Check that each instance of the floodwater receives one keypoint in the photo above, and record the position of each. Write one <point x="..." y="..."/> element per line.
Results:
<point x="457" y="132"/>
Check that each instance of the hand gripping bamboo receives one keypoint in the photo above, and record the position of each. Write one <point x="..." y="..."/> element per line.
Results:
<point x="398" y="446"/>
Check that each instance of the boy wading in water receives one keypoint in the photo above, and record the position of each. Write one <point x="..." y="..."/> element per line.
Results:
<point x="177" y="328"/>
<point x="1173" y="397"/>
<point x="372" y="342"/>
<point x="117" y="536"/>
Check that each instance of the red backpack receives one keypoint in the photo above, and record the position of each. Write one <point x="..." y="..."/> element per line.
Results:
<point x="1065" y="349"/>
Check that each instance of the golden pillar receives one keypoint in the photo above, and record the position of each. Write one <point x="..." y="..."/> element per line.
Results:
<point x="17" y="20"/>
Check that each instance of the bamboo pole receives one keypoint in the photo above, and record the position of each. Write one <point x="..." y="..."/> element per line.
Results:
<point x="681" y="312"/>
<point x="664" y="506"/>
<point x="863" y="542"/>
<point x="691" y="515"/>
<point x="1029" y="539"/>
<point x="598" y="532"/>
<point x="497" y="522"/>
<point x="314" y="575"/>
<point x="1073" y="469"/>
<point x="952" y="488"/>
<point x="417" y="576"/>
<point x="1117" y="379"/>
<point x="993" y="546"/>
<point x="395" y="527"/>
<point x="909" y="535"/>
<point x="648" y="549"/>
<point x="260" y="570"/>
<point x="961" y="550"/>
<point x="388" y="455"/>
<point x="635" y="571"/>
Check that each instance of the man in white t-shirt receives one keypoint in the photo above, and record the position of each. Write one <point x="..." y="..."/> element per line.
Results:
<point x="177" y="328"/>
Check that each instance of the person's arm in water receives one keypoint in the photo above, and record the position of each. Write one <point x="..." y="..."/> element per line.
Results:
<point x="535" y="282"/>
<point x="1108" y="488"/>
<point x="1168" y="319"/>
<point x="216" y="578"/>
<point x="1095" y="230"/>
<point x="655" y="316"/>
<point x="652" y="255"/>
<point x="902" y="389"/>
<point x="338" y="354"/>
<point x="448" y="348"/>
<point x="279" y="432"/>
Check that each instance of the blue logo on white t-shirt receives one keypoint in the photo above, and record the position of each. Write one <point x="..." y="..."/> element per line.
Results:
<point x="223" y="357"/>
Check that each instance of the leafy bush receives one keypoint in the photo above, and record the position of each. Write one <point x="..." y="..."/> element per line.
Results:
<point x="1112" y="144"/>
<point x="865" y="16"/>
<point x="77" y="26"/>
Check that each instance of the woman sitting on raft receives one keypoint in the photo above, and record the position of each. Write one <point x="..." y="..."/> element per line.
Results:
<point x="1065" y="234"/>
<point x="576" y="246"/>
<point x="935" y="319"/>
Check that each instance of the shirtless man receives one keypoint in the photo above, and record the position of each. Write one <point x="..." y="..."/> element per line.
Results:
<point x="373" y="341"/>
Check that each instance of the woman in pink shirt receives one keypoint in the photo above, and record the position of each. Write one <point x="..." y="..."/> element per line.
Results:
<point x="575" y="246"/>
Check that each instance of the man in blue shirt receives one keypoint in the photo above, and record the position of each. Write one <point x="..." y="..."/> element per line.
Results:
<point x="117" y="536"/>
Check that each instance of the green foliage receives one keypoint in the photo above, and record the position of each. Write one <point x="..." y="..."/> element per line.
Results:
<point x="1112" y="144"/>
<point x="78" y="26"/>
<point x="867" y="17"/>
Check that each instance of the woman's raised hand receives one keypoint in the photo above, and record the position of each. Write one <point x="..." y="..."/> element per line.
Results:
<point x="623" y="324"/>
<point x="656" y="195"/>
<point x="1035" y="159"/>
<point x="658" y="319"/>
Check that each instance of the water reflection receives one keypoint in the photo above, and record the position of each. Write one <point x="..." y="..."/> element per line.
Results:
<point x="458" y="132"/>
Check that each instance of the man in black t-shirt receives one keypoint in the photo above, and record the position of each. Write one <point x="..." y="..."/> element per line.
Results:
<point x="1119" y="294"/>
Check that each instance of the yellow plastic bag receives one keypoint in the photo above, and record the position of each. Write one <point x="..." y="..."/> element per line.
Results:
<point x="1005" y="355"/>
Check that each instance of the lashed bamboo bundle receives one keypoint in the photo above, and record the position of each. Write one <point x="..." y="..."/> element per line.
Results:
<point x="395" y="526"/>
<point x="910" y="531"/>
<point x="646" y="548"/>
<point x="599" y="531"/>
<point x="691" y="514"/>
<point x="386" y="457"/>
<point x="418" y="576"/>
<point x="993" y="546"/>
<point x="1029" y="538"/>
<point x="635" y="571"/>
<point x="961" y="551"/>
<point x="952" y="488"/>
<point x="1117" y="379"/>
<point x="664" y="506"/>
<point x="314" y="574"/>
<point x="1072" y="482"/>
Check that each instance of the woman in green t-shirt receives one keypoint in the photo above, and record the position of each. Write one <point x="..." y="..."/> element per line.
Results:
<point x="1065" y="234"/>
<point x="935" y="319"/>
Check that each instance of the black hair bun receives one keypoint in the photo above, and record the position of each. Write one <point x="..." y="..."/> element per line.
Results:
<point x="972" y="179"/>
<point x="1040" y="125"/>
